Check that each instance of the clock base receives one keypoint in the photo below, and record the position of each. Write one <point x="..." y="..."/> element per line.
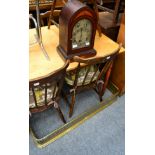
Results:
<point x="87" y="53"/>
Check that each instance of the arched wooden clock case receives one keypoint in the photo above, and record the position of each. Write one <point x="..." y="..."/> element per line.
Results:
<point x="72" y="13"/>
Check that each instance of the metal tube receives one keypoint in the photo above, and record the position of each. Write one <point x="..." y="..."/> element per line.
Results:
<point x="35" y="22"/>
<point x="39" y="31"/>
<point x="38" y="20"/>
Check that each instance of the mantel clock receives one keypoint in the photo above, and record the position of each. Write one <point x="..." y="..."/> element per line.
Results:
<point x="77" y="28"/>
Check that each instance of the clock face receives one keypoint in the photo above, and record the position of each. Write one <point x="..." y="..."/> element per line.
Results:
<point x="81" y="34"/>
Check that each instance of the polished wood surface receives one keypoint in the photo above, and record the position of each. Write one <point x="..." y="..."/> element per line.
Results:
<point x="118" y="72"/>
<point x="71" y="13"/>
<point x="39" y="66"/>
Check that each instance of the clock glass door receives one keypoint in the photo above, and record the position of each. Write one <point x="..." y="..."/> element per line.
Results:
<point x="81" y="34"/>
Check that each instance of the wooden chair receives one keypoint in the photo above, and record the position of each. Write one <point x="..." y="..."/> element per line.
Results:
<point x="90" y="73"/>
<point x="44" y="17"/>
<point x="44" y="92"/>
<point x="55" y="5"/>
<point x="109" y="19"/>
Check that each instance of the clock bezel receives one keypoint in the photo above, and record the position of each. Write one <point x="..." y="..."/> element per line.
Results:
<point x="85" y="34"/>
<point x="91" y="39"/>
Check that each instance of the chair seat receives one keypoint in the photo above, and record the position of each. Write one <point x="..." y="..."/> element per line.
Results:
<point x="70" y="77"/>
<point x="40" y="95"/>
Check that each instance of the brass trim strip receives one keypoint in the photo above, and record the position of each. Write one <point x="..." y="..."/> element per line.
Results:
<point x="56" y="134"/>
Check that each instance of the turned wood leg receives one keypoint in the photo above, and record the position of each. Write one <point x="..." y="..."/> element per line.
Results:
<point x="98" y="93"/>
<point x="106" y="80"/>
<point x="97" y="14"/>
<point x="72" y="105"/>
<point x="56" y="106"/>
<point x="100" y="98"/>
<point x="65" y="98"/>
<point x="99" y="90"/>
<point x="51" y="14"/>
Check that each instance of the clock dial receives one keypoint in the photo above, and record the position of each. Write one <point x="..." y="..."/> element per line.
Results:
<point x="81" y="34"/>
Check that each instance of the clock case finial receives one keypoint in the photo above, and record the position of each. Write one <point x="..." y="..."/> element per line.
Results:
<point x="71" y="13"/>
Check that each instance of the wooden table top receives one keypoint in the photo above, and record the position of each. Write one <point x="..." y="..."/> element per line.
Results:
<point x="39" y="66"/>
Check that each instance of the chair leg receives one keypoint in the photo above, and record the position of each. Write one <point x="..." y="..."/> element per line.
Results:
<point x="72" y="105"/>
<point x="98" y="93"/>
<point x="100" y="98"/>
<point x="65" y="98"/>
<point x="106" y="79"/>
<point x="56" y="106"/>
